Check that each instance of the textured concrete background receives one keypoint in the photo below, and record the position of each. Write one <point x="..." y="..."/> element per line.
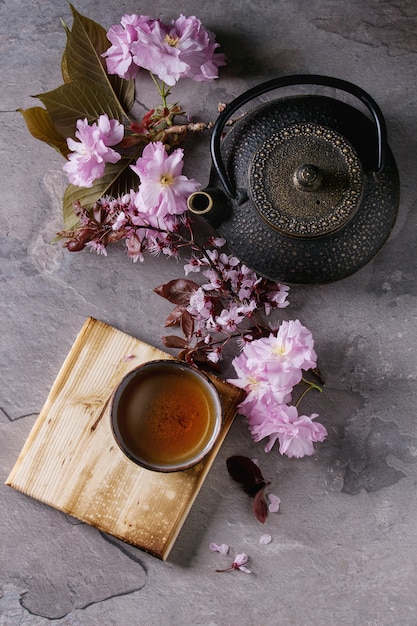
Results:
<point x="344" y="545"/>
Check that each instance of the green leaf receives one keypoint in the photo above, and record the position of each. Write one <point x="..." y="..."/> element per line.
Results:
<point x="79" y="99"/>
<point x="117" y="180"/>
<point x="86" y="43"/>
<point x="64" y="61"/>
<point x="40" y="125"/>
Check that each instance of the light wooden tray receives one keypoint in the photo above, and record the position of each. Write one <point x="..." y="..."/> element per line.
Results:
<point x="71" y="462"/>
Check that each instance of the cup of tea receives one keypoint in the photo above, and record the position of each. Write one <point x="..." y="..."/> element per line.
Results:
<point x="166" y="415"/>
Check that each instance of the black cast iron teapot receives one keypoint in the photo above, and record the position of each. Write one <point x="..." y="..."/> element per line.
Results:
<point x="304" y="188"/>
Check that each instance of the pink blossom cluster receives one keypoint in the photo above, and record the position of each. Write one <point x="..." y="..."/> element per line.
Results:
<point x="143" y="218"/>
<point x="232" y="300"/>
<point x="181" y="49"/>
<point x="268" y="369"/>
<point x="163" y="189"/>
<point x="92" y="151"/>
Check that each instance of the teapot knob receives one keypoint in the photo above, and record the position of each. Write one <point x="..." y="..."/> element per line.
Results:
<point x="307" y="177"/>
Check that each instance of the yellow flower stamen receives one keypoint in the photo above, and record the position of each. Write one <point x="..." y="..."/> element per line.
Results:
<point x="166" y="180"/>
<point x="171" y="41"/>
<point x="279" y="350"/>
<point x="253" y="382"/>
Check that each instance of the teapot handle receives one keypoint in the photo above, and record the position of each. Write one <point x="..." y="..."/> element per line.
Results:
<point x="286" y="81"/>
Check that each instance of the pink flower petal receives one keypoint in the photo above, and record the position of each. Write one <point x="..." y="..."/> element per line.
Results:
<point x="274" y="503"/>
<point x="91" y="152"/>
<point x="182" y="49"/>
<point x="163" y="191"/>
<point x="222" y="548"/>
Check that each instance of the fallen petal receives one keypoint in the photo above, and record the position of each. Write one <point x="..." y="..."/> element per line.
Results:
<point x="223" y="548"/>
<point x="260" y="508"/>
<point x="240" y="559"/>
<point x="265" y="539"/>
<point x="274" y="503"/>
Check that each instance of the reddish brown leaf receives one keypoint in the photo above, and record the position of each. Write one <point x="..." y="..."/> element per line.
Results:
<point x="259" y="507"/>
<point x="182" y="355"/>
<point x="187" y="324"/>
<point x="177" y="291"/>
<point x="173" y="341"/>
<point x="174" y="318"/>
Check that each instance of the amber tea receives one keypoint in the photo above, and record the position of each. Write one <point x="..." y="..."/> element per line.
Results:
<point x="166" y="415"/>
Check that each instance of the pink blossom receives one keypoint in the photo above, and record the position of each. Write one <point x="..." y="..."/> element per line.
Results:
<point x="119" y="57"/>
<point x="272" y="366"/>
<point x="211" y="326"/>
<point x="199" y="306"/>
<point x="248" y="308"/>
<point x="214" y="355"/>
<point x="300" y="432"/>
<point x="97" y="247"/>
<point x="225" y="269"/>
<point x="268" y="368"/>
<point x="163" y="190"/>
<point x="240" y="561"/>
<point x="134" y="247"/>
<point x="258" y="382"/>
<point x="120" y="221"/>
<point x="215" y="282"/>
<point x="291" y="348"/>
<point x="193" y="265"/>
<point x="182" y="49"/>
<point x="276" y="298"/>
<point x="296" y="433"/>
<point x="246" y="283"/>
<point x="91" y="152"/>
<point x="229" y="318"/>
<point x="227" y="261"/>
<point x="251" y="380"/>
<point x="156" y="243"/>
<point x="217" y="242"/>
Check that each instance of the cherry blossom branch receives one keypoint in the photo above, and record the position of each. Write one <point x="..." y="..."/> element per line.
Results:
<point x="227" y="302"/>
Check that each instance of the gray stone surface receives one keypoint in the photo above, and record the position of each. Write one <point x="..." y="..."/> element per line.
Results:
<point x="344" y="545"/>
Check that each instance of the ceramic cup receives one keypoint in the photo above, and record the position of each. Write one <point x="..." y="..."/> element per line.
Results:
<point x="166" y="415"/>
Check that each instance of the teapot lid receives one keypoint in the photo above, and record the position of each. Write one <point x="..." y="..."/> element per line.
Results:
<point x="306" y="180"/>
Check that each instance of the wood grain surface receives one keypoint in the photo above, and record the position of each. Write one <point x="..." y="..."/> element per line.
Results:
<point x="71" y="462"/>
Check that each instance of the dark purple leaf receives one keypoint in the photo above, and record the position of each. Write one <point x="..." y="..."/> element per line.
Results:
<point x="259" y="507"/>
<point x="177" y="291"/>
<point x="247" y="473"/>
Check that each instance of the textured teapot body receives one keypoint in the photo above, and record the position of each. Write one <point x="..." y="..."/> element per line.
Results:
<point x="304" y="188"/>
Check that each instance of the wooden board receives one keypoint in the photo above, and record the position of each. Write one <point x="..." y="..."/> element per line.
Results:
<point x="71" y="462"/>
